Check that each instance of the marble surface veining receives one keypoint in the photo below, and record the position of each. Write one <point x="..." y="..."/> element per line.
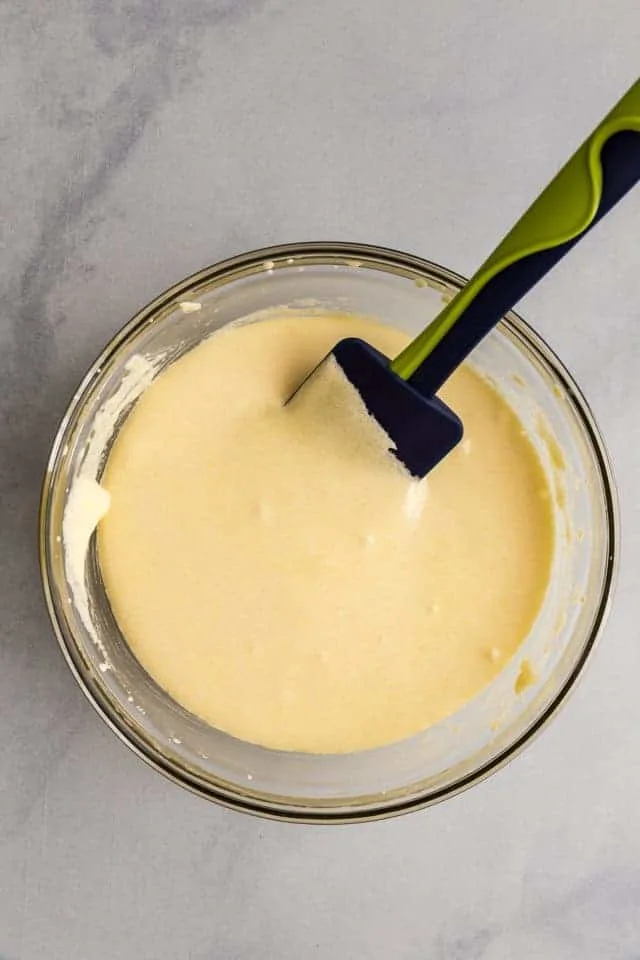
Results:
<point x="140" y="141"/>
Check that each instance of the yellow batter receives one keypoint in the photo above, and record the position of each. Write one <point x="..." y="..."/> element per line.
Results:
<point x="279" y="573"/>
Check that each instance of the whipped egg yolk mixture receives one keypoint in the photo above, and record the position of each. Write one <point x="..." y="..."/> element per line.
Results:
<point x="279" y="573"/>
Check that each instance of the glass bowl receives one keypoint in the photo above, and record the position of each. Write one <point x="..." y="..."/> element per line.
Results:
<point x="407" y="292"/>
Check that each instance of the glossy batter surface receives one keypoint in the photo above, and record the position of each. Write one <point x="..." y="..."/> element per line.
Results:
<point x="280" y="575"/>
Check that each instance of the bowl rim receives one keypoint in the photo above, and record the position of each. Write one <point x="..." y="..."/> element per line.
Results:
<point x="267" y="805"/>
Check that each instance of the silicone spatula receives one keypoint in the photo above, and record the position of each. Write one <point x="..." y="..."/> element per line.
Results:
<point x="401" y="393"/>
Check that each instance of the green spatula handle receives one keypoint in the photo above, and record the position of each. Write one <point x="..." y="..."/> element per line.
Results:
<point x="563" y="212"/>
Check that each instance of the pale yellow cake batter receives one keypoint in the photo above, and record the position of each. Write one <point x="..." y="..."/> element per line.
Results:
<point x="279" y="573"/>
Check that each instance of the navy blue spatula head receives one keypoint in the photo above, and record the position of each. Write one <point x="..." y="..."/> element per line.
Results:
<point x="422" y="429"/>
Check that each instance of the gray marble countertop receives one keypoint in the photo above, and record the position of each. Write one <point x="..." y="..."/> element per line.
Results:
<point x="143" y="140"/>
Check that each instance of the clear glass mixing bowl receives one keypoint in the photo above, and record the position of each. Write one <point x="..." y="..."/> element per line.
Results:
<point x="407" y="292"/>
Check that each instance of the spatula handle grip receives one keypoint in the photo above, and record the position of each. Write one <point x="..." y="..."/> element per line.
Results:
<point x="599" y="174"/>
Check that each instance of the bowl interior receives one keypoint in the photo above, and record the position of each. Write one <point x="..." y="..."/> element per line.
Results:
<point x="407" y="293"/>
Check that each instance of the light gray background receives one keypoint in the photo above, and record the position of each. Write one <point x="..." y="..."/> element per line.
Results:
<point x="142" y="141"/>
